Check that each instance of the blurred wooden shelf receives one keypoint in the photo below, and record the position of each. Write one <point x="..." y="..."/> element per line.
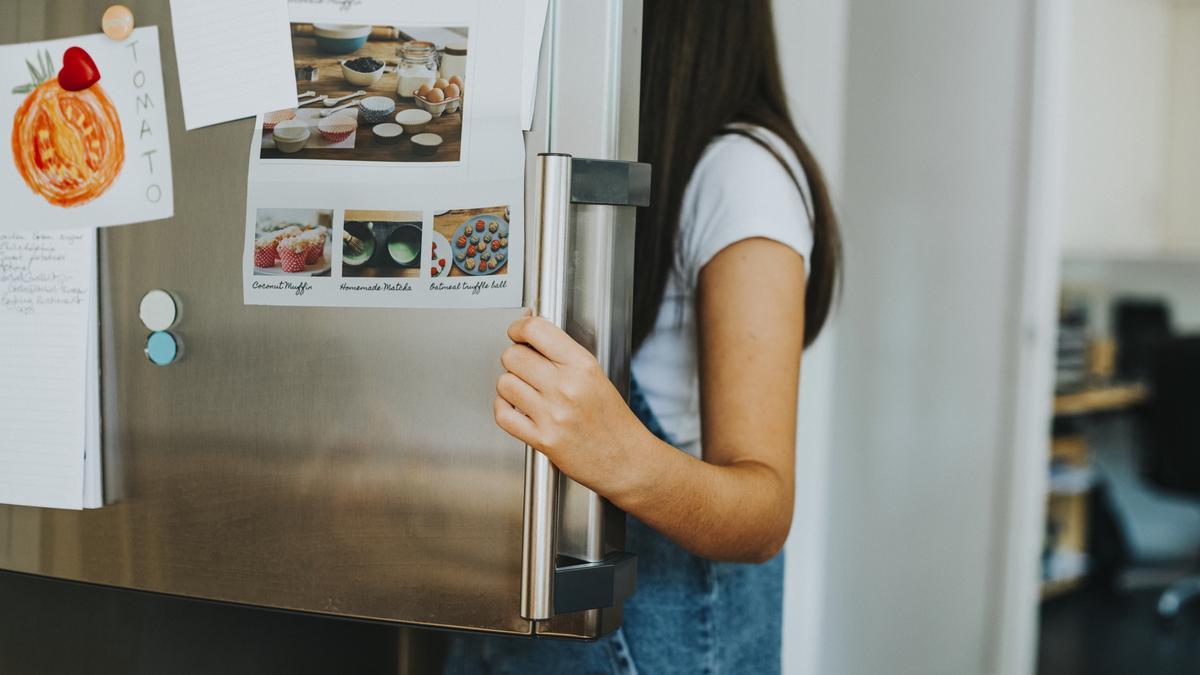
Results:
<point x="1100" y="399"/>
<point x="1051" y="589"/>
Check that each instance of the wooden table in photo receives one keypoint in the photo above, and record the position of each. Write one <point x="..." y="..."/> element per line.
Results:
<point x="448" y="223"/>
<point x="331" y="83"/>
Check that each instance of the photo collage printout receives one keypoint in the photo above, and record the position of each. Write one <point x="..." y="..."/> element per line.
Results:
<point x="398" y="181"/>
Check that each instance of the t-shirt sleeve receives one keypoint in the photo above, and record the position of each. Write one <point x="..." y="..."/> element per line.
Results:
<point x="739" y="191"/>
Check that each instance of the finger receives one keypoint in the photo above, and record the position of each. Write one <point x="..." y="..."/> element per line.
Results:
<point x="529" y="365"/>
<point x="519" y="394"/>
<point x="513" y="422"/>
<point x="552" y="341"/>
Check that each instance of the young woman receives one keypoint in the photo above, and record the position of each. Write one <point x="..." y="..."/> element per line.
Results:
<point x="737" y="263"/>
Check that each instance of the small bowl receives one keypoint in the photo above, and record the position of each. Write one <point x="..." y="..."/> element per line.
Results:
<point x="405" y="238"/>
<point x="277" y="116"/>
<point x="376" y="108"/>
<point x="337" y="128"/>
<point x="435" y="109"/>
<point x="339" y="39"/>
<point x="291" y="135"/>
<point x="387" y="133"/>
<point x="361" y="79"/>
<point x="413" y="120"/>
<point x="426" y="145"/>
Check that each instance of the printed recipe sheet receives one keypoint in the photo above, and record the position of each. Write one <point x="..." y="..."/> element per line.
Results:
<point x="398" y="180"/>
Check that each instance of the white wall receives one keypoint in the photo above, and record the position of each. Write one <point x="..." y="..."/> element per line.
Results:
<point x="936" y="142"/>
<point x="1183" y="129"/>
<point x="812" y="50"/>
<point x="1116" y="147"/>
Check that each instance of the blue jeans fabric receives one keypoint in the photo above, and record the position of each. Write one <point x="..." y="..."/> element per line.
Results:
<point x="689" y="615"/>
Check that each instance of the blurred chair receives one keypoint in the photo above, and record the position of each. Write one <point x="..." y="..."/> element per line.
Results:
<point x="1139" y="325"/>
<point x="1171" y="458"/>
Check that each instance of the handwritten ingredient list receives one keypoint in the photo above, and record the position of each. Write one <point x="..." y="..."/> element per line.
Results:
<point x="46" y="316"/>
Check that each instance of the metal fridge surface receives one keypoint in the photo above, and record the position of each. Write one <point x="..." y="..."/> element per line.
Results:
<point x="340" y="461"/>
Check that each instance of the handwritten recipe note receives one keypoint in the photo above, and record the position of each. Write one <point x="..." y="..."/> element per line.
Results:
<point x="49" y="343"/>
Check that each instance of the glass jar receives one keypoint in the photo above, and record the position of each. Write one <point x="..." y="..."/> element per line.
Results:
<point x="454" y="60"/>
<point x="418" y="66"/>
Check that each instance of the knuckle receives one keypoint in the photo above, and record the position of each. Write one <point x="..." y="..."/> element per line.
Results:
<point x="591" y="367"/>
<point x="573" y="389"/>
<point x="560" y="415"/>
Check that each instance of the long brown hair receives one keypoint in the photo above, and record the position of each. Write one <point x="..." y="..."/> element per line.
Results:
<point x="706" y="65"/>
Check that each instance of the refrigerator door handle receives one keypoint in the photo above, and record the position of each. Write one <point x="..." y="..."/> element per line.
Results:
<point x="564" y="180"/>
<point x="540" y="534"/>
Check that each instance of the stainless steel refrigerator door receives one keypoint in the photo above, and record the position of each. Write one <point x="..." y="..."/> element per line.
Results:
<point x="339" y="461"/>
<point x="592" y="108"/>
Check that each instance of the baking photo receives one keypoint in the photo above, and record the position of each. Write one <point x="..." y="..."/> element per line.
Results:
<point x="382" y="244"/>
<point x="477" y="241"/>
<point x="373" y="93"/>
<point x="293" y="242"/>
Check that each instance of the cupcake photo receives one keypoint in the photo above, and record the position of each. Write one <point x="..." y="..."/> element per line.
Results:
<point x="293" y="242"/>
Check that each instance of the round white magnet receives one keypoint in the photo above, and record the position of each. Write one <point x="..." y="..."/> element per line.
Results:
<point x="158" y="310"/>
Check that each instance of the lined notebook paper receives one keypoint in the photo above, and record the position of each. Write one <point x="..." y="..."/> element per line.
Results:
<point x="49" y="375"/>
<point x="234" y="58"/>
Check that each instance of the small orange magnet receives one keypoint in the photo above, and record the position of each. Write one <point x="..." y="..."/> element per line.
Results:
<point x="117" y="22"/>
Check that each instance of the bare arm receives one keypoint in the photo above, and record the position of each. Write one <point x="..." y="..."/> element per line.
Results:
<point x="736" y="504"/>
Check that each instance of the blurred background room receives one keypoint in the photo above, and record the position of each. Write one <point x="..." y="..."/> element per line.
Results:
<point x="1002" y="472"/>
<point x="1123" y="524"/>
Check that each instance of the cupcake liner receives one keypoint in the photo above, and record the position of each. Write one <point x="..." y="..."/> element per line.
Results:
<point x="265" y="254"/>
<point x="336" y="136"/>
<point x="316" y="247"/>
<point x="273" y="118"/>
<point x="292" y="256"/>
<point x="337" y="130"/>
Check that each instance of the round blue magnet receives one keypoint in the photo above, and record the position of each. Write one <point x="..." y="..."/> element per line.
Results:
<point x="161" y="348"/>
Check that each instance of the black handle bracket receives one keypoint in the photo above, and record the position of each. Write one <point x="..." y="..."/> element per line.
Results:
<point x="609" y="182"/>
<point x="594" y="585"/>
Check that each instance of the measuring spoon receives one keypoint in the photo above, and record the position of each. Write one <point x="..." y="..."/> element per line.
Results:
<point x="330" y="102"/>
<point x="327" y="113"/>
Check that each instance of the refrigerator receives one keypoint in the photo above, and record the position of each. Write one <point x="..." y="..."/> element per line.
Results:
<point x="372" y="482"/>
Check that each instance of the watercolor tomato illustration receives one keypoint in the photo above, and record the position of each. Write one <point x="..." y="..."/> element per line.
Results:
<point x="66" y="137"/>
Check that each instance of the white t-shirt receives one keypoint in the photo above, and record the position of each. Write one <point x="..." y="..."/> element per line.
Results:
<point x="738" y="191"/>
